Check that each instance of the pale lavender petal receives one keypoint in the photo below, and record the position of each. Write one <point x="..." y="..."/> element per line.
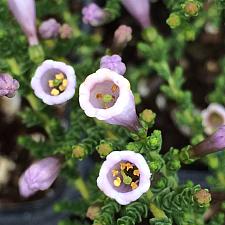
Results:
<point x="140" y="10"/>
<point x="25" y="14"/>
<point x="49" y="29"/>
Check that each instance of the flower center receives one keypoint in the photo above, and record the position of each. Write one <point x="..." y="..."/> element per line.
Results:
<point x="128" y="174"/>
<point x="57" y="85"/>
<point x="216" y="119"/>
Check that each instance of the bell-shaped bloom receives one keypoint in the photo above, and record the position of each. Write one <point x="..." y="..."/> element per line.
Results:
<point x="122" y="36"/>
<point x="94" y="15"/>
<point x="213" y="143"/>
<point x="124" y="176"/>
<point x="39" y="176"/>
<point x="140" y="10"/>
<point x="106" y="95"/>
<point x="25" y="14"/>
<point x="113" y="63"/>
<point x="54" y="82"/>
<point x="49" y="29"/>
<point x="213" y="117"/>
<point x="8" y="85"/>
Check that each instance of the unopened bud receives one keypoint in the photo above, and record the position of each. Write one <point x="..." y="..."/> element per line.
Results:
<point x="147" y="116"/>
<point x="93" y="212"/>
<point x="78" y="152"/>
<point x="104" y="149"/>
<point x="203" y="197"/>
<point x="173" y="21"/>
<point x="191" y="8"/>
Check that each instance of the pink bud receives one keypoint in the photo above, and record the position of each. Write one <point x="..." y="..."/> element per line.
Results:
<point x="39" y="176"/>
<point x="139" y="9"/>
<point x="25" y="14"/>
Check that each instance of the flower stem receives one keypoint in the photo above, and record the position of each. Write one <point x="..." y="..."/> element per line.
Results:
<point x="81" y="187"/>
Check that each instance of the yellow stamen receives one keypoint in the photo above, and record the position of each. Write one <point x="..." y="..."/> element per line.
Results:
<point x="64" y="83"/>
<point x="136" y="173"/>
<point x="59" y="76"/>
<point x="122" y="166"/>
<point x="117" y="182"/>
<point x="54" y="92"/>
<point x="99" y="95"/>
<point x="133" y="185"/>
<point x="50" y="83"/>
<point x="115" y="172"/>
<point x="62" y="88"/>
<point x="114" y="88"/>
<point x="129" y="166"/>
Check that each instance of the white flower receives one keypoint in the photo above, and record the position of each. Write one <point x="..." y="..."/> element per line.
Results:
<point x="106" y="95"/>
<point x="124" y="176"/>
<point x="213" y="117"/>
<point x="54" y="82"/>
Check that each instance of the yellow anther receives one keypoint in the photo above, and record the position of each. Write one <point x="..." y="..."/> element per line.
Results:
<point x="122" y="166"/>
<point x="117" y="182"/>
<point x="65" y="82"/>
<point x="59" y="76"/>
<point x="114" y="88"/>
<point x="115" y="172"/>
<point x="62" y="88"/>
<point x="54" y="92"/>
<point x="133" y="185"/>
<point x="50" y="83"/>
<point x="129" y="166"/>
<point x="136" y="173"/>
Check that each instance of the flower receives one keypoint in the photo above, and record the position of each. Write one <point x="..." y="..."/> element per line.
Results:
<point x="106" y="95"/>
<point x="122" y="36"/>
<point x="8" y="85"/>
<point x="124" y="176"/>
<point x="113" y="63"/>
<point x="39" y="176"/>
<point x="213" y="117"/>
<point x="25" y="14"/>
<point x="54" y="82"/>
<point x="49" y="29"/>
<point x="213" y="143"/>
<point x="140" y="10"/>
<point x="65" y="31"/>
<point x="93" y="15"/>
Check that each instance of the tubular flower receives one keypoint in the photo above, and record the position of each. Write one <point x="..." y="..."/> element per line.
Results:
<point x="124" y="176"/>
<point x="8" y="85"/>
<point x="49" y="29"/>
<point x="213" y="117"/>
<point x="113" y="63"/>
<point x="39" y="176"/>
<point x="140" y="10"/>
<point x="106" y="95"/>
<point x="54" y="82"/>
<point x="94" y="15"/>
<point x="25" y="14"/>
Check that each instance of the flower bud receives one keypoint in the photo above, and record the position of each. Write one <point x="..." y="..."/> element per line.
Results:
<point x="39" y="176"/>
<point x="113" y="63"/>
<point x="36" y="54"/>
<point x="191" y="8"/>
<point x="104" y="149"/>
<point x="203" y="197"/>
<point x="8" y="85"/>
<point x="25" y="14"/>
<point x="122" y="36"/>
<point x="79" y="152"/>
<point x="94" y="15"/>
<point x="173" y="21"/>
<point x="93" y="211"/>
<point x="49" y="29"/>
<point x="65" y="31"/>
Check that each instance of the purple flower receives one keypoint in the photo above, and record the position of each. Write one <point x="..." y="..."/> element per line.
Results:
<point x="54" y="82"/>
<point x="94" y="15"/>
<point x="122" y="36"/>
<point x="124" y="176"/>
<point x="49" y="29"/>
<point x="39" y="176"/>
<point x="140" y="10"/>
<point x="113" y="63"/>
<point x="25" y="14"/>
<point x="106" y="95"/>
<point x="213" y="117"/>
<point x="213" y="143"/>
<point x="8" y="85"/>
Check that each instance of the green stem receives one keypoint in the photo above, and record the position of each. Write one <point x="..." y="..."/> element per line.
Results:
<point x="81" y="187"/>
